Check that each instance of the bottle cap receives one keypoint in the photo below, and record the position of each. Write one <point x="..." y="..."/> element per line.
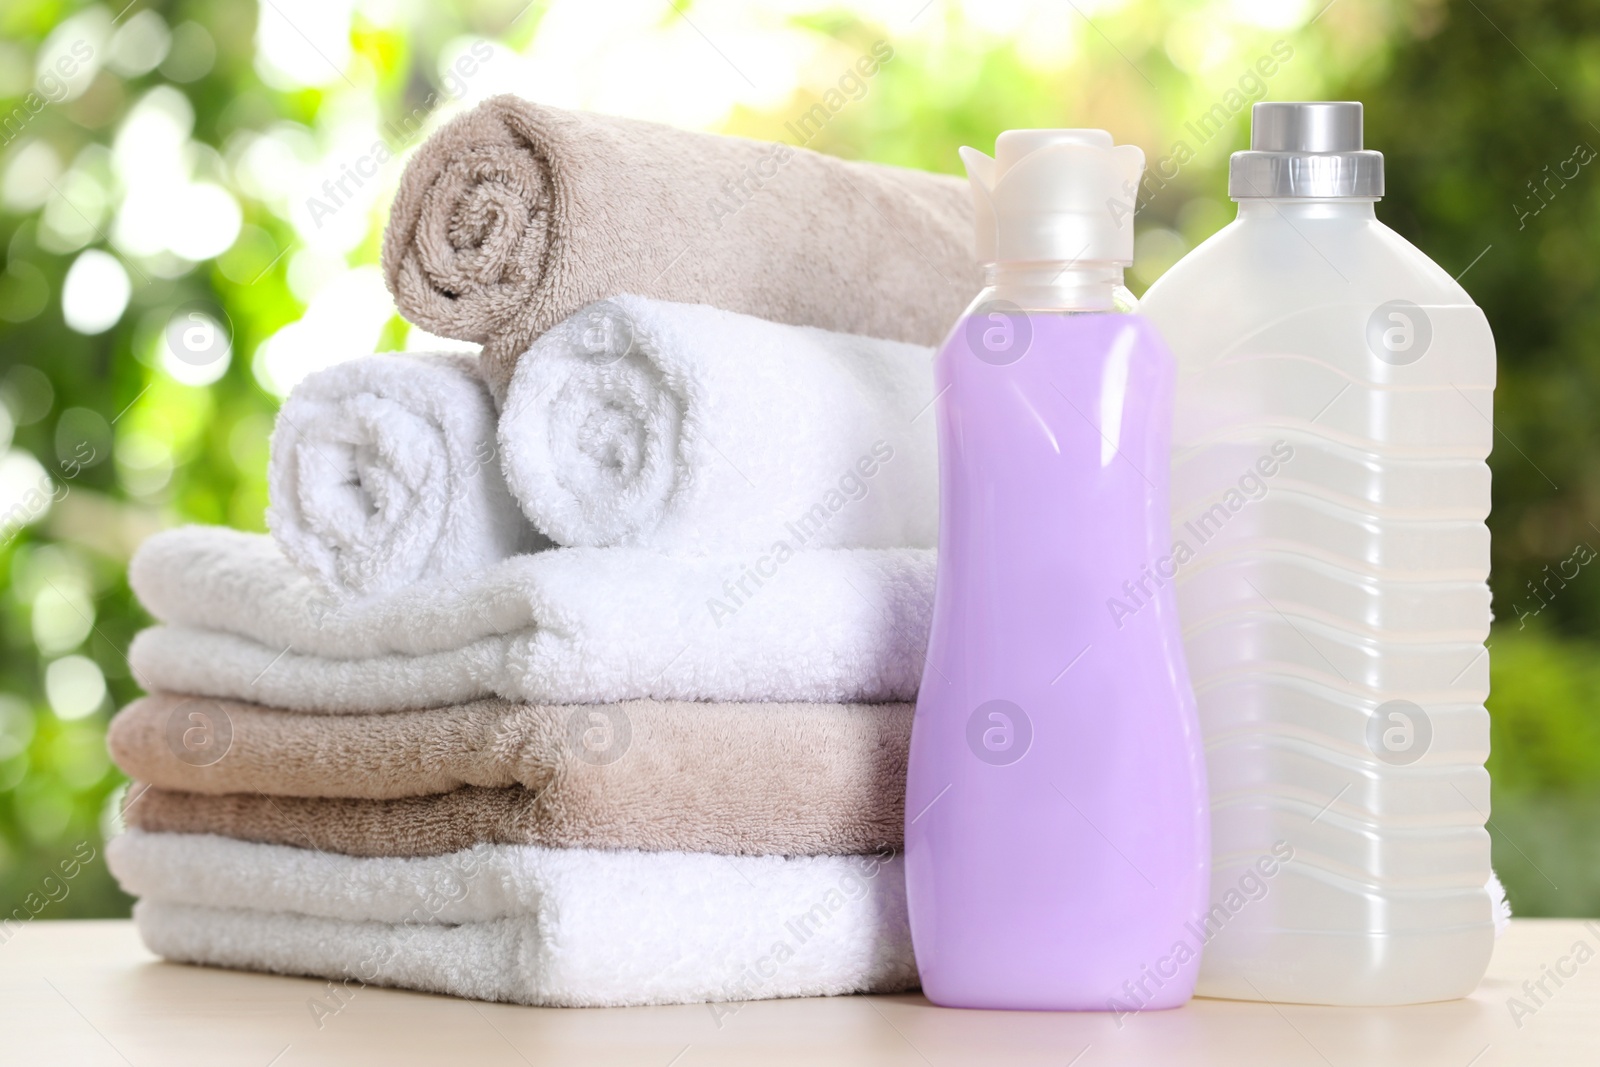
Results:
<point x="1309" y="149"/>
<point x="1055" y="195"/>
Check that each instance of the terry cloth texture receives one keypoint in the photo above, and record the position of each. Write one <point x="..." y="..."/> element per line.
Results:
<point x="791" y="779"/>
<point x="564" y="626"/>
<point x="557" y="927"/>
<point x="686" y="428"/>
<point x="384" y="472"/>
<point x="513" y="216"/>
<point x="448" y="822"/>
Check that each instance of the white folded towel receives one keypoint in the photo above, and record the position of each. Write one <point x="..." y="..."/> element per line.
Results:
<point x="693" y="429"/>
<point x="569" y="927"/>
<point x="384" y="472"/>
<point x="575" y="625"/>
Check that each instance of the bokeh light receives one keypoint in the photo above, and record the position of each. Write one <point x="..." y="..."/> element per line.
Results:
<point x="75" y="687"/>
<point x="95" y="292"/>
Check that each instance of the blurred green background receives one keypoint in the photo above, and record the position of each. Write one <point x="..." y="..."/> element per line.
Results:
<point x="182" y="158"/>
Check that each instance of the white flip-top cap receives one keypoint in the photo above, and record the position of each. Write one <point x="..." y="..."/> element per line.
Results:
<point x="1055" y="195"/>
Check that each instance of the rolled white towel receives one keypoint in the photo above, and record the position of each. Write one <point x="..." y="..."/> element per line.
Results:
<point x="384" y="472"/>
<point x="687" y="428"/>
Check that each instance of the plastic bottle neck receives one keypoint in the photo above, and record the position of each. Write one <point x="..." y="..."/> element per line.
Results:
<point x="1308" y="207"/>
<point x="1064" y="285"/>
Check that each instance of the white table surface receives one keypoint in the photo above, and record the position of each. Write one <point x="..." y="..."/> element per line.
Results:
<point x="88" y="993"/>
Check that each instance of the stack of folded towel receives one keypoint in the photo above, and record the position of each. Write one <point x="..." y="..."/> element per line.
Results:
<point x="577" y="675"/>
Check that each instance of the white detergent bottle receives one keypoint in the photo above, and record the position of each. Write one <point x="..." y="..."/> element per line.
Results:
<point x="1333" y="416"/>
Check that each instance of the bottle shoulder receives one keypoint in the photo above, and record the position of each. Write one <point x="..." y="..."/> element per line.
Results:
<point x="1344" y="292"/>
<point x="1304" y="262"/>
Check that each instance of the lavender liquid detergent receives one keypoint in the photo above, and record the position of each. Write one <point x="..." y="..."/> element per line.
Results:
<point x="1057" y="833"/>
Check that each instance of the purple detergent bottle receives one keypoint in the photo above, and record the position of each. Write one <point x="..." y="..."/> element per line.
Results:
<point x="1057" y="822"/>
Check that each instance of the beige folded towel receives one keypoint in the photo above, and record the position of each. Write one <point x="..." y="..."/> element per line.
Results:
<point x="794" y="779"/>
<point x="462" y="818"/>
<point x="513" y="216"/>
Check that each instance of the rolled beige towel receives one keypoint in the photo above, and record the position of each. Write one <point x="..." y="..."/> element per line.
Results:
<point x="514" y="216"/>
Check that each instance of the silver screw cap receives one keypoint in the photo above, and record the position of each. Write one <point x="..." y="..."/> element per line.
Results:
<point x="1310" y="149"/>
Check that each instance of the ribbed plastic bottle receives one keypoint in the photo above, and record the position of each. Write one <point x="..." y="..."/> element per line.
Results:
<point x="1056" y="824"/>
<point x="1333" y="416"/>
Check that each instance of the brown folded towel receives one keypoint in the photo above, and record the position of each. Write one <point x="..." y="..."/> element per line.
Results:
<point x="513" y="216"/>
<point x="796" y="779"/>
<point x="449" y="822"/>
